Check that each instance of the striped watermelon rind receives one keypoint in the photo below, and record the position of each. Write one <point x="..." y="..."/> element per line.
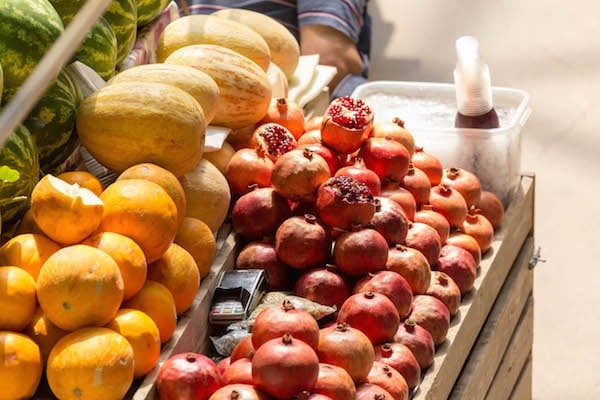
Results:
<point x="99" y="49"/>
<point x="148" y="10"/>
<point x="28" y="30"/>
<point x="122" y="17"/>
<point x="18" y="153"/>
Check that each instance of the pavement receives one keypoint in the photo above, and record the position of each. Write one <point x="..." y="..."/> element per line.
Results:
<point x="550" y="49"/>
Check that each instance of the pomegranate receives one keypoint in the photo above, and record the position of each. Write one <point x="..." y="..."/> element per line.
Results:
<point x="302" y="242"/>
<point x="274" y="322"/>
<point x="313" y="122"/>
<point x="324" y="285"/>
<point x="347" y="347"/>
<point x="388" y="158"/>
<point x="306" y="395"/>
<point x="401" y="358"/>
<point x="284" y="366"/>
<point x="417" y="183"/>
<point x="223" y="364"/>
<point x="298" y="173"/>
<point x="335" y="382"/>
<point x="430" y="313"/>
<point x="479" y="228"/>
<point x="361" y="251"/>
<point x="389" y="220"/>
<point x="403" y="197"/>
<point x="312" y="136"/>
<point x="359" y="171"/>
<point x="391" y="284"/>
<point x="344" y="202"/>
<point x="429" y="164"/>
<point x="346" y="124"/>
<point x="287" y="113"/>
<point x="372" y="313"/>
<point x="247" y="169"/>
<point x="187" y="376"/>
<point x="446" y="290"/>
<point x="465" y="182"/>
<point x="371" y="391"/>
<point x="333" y="159"/>
<point x="261" y="255"/>
<point x="425" y="239"/>
<point x="239" y="391"/>
<point x="412" y="265"/>
<point x="389" y="379"/>
<point x="259" y="213"/>
<point x="243" y="349"/>
<point x="239" y="371"/>
<point x="273" y="140"/>
<point x="467" y="242"/>
<point x="450" y="203"/>
<point x="395" y="130"/>
<point x="418" y="340"/>
<point x="434" y="219"/>
<point x="491" y="207"/>
<point x="241" y="138"/>
<point x="459" y="265"/>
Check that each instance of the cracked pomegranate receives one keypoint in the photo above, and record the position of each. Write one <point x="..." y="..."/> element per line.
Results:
<point x="346" y="124"/>
<point x="273" y="140"/>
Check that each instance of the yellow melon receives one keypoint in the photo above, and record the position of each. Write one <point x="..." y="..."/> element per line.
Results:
<point x="84" y="179"/>
<point x="197" y="238"/>
<point x="20" y="366"/>
<point x="220" y="158"/>
<point x="17" y="298"/>
<point x="28" y="251"/>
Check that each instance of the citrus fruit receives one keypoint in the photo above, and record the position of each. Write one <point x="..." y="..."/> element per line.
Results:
<point x="43" y="332"/>
<point x="20" y="366"/>
<point x="84" y="179"/>
<point x="197" y="238"/>
<point x="17" y="298"/>
<point x="28" y="251"/>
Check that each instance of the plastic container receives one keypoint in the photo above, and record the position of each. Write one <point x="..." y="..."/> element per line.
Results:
<point x="428" y="110"/>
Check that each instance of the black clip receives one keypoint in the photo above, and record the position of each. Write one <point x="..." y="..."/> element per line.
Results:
<point x="536" y="258"/>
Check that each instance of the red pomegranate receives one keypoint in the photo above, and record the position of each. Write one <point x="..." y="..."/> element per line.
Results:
<point x="324" y="285"/>
<point x="391" y="284"/>
<point x="479" y="228"/>
<point x="389" y="379"/>
<point x="260" y="254"/>
<point x="370" y="391"/>
<point x="361" y="251"/>
<point x="335" y="382"/>
<point x="359" y="171"/>
<point x="346" y="124"/>
<point x="309" y="395"/>
<point x="429" y="164"/>
<point x="465" y="182"/>
<point x="401" y="358"/>
<point x="247" y="169"/>
<point x="287" y="113"/>
<point x="344" y="202"/>
<point x="348" y="348"/>
<point x="239" y="391"/>
<point x="418" y="340"/>
<point x="459" y="265"/>
<point x="187" y="376"/>
<point x="412" y="265"/>
<point x="313" y="122"/>
<point x="434" y="219"/>
<point x="386" y="157"/>
<point x="311" y="136"/>
<point x="395" y="130"/>
<point x="492" y="208"/>
<point x="425" y="239"/>
<point x="239" y="371"/>
<point x="273" y="140"/>
<point x="302" y="242"/>
<point x="389" y="220"/>
<point x="450" y="203"/>
<point x="403" y="197"/>
<point x="332" y="158"/>
<point x="372" y="313"/>
<point x="297" y="174"/>
<point x="241" y="138"/>
<point x="467" y="242"/>
<point x="223" y="364"/>
<point x="243" y="349"/>
<point x="431" y="313"/>
<point x="417" y="183"/>
<point x="259" y="213"/>
<point x="284" y="366"/>
<point x="446" y="290"/>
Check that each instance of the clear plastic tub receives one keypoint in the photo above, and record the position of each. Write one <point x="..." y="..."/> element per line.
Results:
<point x="428" y="110"/>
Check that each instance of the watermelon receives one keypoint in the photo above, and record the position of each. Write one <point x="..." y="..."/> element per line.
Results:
<point x="99" y="49"/>
<point x="19" y="173"/>
<point x="148" y="10"/>
<point x="122" y="16"/>
<point x="28" y="28"/>
<point x="52" y="121"/>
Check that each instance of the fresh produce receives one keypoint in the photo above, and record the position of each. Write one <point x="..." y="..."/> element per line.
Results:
<point x="324" y="285"/>
<point x="467" y="242"/>
<point x="359" y="171"/>
<point x="446" y="290"/>
<point x="28" y="251"/>
<point x="424" y="238"/>
<point x="17" y="294"/>
<point x="491" y="207"/>
<point x="148" y="10"/>
<point x="99" y="49"/>
<point x="187" y="376"/>
<point x="368" y="391"/>
<point x="418" y="340"/>
<point x="347" y="123"/>
<point x="196" y="237"/>
<point x="44" y="333"/>
<point x="361" y="251"/>
<point x="388" y="379"/>
<point x="403" y="197"/>
<point x="478" y="227"/>
<point x="273" y="140"/>
<point x="389" y="220"/>
<point x="386" y="157"/>
<point x="287" y="113"/>
<point x="392" y="285"/>
<point x="335" y="382"/>
<point x="434" y="219"/>
<point x="221" y="157"/>
<point x="394" y="129"/>
<point x="122" y="16"/>
<point x="465" y="182"/>
<point x="401" y="358"/>
<point x="332" y="158"/>
<point x="450" y="203"/>
<point x="417" y="183"/>
<point x="260" y="254"/>
<point x="259" y="213"/>
<point x="298" y="174"/>
<point x="302" y="242"/>
<point x="83" y="179"/>
<point x="20" y="366"/>
<point x="239" y="371"/>
<point x="459" y="265"/>
<point x="238" y="392"/>
<point x="243" y="349"/>
<point x="412" y="265"/>
<point x="248" y="169"/>
<point x="429" y="164"/>
<point x="432" y="314"/>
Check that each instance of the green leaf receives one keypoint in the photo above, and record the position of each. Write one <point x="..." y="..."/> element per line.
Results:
<point x="8" y="174"/>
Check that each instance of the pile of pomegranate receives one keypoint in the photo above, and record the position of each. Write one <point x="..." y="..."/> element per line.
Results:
<point x="352" y="214"/>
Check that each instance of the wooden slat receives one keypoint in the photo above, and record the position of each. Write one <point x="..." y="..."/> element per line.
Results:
<point x="484" y="359"/>
<point x="523" y="388"/>
<point x="439" y="379"/>
<point x="515" y="357"/>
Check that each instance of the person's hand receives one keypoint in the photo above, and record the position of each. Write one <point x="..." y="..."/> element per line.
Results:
<point x="333" y="47"/>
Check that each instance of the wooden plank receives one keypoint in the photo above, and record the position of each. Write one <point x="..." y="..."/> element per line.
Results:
<point x="523" y="388"/>
<point x="515" y="357"/>
<point x="439" y="379"/>
<point x="483" y="362"/>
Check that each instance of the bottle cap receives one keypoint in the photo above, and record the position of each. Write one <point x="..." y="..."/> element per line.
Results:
<point x="471" y="79"/>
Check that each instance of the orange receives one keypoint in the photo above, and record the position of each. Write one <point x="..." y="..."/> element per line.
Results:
<point x="20" y="366"/>
<point x="157" y="301"/>
<point x="143" y="211"/>
<point x="197" y="238"/>
<point x="91" y="363"/>
<point x="164" y="178"/>
<point x="84" y="179"/>
<point x="27" y="224"/>
<point x="80" y="286"/>
<point x="66" y="213"/>
<point x="43" y="332"/>
<point x="143" y="336"/>
<point x="177" y="270"/>
<point x="17" y="298"/>
<point x="127" y="254"/>
<point x="28" y="251"/>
